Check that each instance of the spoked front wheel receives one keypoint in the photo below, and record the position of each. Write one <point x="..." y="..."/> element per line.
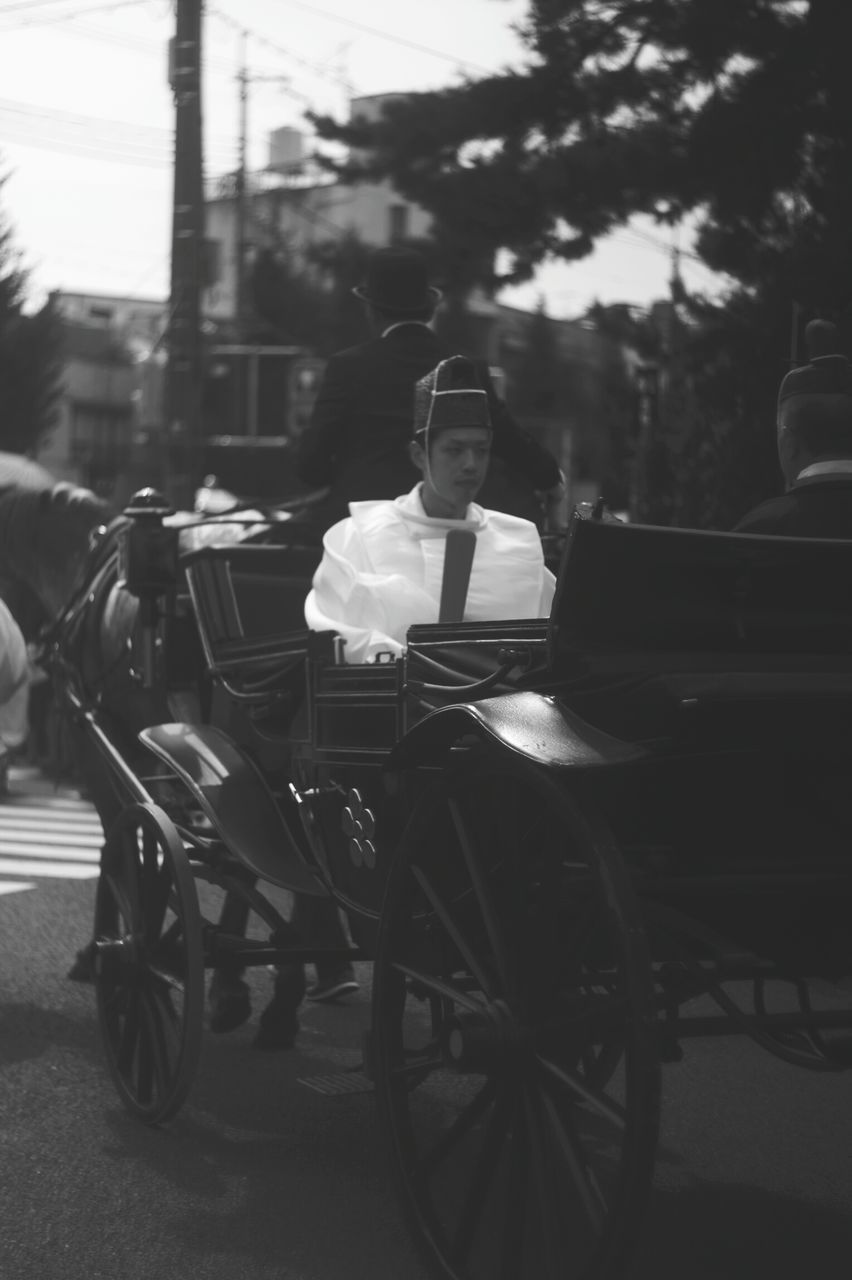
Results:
<point x="149" y="963"/>
<point x="513" y="1036"/>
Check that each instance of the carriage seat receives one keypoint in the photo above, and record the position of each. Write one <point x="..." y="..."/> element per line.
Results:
<point x="248" y="601"/>
<point x="666" y="632"/>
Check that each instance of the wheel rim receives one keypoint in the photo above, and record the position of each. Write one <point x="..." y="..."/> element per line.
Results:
<point x="149" y="966"/>
<point x="515" y="1048"/>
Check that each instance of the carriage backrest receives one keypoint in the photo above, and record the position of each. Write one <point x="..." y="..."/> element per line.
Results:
<point x="643" y="598"/>
<point x="250" y="591"/>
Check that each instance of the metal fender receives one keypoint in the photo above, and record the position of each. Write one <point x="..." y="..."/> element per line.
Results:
<point x="534" y="726"/>
<point x="234" y="796"/>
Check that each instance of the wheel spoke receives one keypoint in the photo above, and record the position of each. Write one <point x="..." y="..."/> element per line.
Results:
<point x="156" y="1041"/>
<point x="483" y="894"/>
<point x="574" y="1157"/>
<point x="145" y="1066"/>
<point x="597" y="1101"/>
<point x="483" y="1174"/>
<point x="122" y="902"/>
<point x="464" y="947"/>
<point x="129" y="865"/>
<point x="170" y="980"/>
<point x="157" y="880"/>
<point x="517" y="1196"/>
<point x="462" y="1124"/>
<point x="440" y="988"/>
<point x="547" y="1215"/>
<point x="128" y="1032"/>
<point x="170" y="1019"/>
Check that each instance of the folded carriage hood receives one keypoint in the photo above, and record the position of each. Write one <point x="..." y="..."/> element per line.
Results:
<point x="531" y="725"/>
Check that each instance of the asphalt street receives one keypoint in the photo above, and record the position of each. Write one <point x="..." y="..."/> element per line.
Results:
<point x="262" y="1177"/>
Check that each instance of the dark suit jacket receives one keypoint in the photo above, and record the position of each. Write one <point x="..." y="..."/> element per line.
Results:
<point x="816" y="508"/>
<point x="357" y="441"/>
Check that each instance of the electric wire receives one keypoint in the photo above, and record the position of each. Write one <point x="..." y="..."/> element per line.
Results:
<point x="391" y="37"/>
<point x="49" y="19"/>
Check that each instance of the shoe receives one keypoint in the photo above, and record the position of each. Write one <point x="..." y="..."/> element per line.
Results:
<point x="230" y="1003"/>
<point x="339" y="984"/>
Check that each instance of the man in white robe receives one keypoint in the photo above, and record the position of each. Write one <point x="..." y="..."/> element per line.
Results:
<point x="382" y="568"/>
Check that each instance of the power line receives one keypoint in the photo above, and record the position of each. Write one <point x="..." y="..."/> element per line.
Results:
<point x="65" y="16"/>
<point x="393" y="39"/>
<point x="316" y="68"/>
<point x="96" y="135"/>
<point x="28" y="4"/>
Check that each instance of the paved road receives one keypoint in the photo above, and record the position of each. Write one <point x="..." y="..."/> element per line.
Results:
<point x="260" y="1177"/>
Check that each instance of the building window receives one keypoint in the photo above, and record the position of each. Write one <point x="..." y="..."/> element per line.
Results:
<point x="397" y="223"/>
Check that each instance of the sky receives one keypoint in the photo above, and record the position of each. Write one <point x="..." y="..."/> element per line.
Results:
<point x="87" y="121"/>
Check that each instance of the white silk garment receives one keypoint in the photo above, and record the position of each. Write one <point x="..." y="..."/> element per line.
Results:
<point x="14" y="682"/>
<point x="382" y="570"/>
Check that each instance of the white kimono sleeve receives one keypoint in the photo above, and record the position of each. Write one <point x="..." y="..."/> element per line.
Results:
<point x="548" y="589"/>
<point x="347" y="597"/>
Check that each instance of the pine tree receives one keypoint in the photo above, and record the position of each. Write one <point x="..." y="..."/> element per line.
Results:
<point x="738" y="112"/>
<point x="30" y="356"/>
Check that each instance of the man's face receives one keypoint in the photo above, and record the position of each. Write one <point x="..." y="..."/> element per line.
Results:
<point x="455" y="469"/>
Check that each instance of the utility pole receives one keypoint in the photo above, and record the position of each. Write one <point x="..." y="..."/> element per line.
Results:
<point x="240" y="200"/>
<point x="240" y="241"/>
<point x="245" y="366"/>
<point x="185" y="366"/>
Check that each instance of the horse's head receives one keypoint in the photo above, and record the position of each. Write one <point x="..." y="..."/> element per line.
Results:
<point x="45" y="537"/>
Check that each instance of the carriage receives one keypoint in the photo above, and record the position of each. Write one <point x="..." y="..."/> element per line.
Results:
<point x="565" y="845"/>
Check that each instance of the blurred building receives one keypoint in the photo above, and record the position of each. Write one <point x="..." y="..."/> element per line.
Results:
<point x="112" y="389"/>
<point x="293" y="202"/>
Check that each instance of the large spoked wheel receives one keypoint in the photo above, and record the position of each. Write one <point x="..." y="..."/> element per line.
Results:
<point x="514" y="1037"/>
<point x="149" y="963"/>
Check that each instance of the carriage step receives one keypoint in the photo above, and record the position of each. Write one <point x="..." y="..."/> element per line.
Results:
<point x="342" y="1082"/>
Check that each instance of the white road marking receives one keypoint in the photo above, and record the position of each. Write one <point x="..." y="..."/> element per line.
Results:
<point x="32" y="849"/>
<point x="47" y="837"/>
<point x="50" y="870"/>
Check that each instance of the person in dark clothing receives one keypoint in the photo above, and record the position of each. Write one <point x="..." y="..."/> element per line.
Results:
<point x="357" y="440"/>
<point x="814" y="446"/>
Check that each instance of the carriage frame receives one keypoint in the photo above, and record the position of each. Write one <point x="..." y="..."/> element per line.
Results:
<point x="532" y="829"/>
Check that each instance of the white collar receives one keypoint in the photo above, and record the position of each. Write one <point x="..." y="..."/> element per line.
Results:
<point x="411" y="504"/>
<point x="401" y="324"/>
<point x="831" y="467"/>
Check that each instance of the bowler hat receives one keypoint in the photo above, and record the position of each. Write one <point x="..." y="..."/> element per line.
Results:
<point x="827" y="373"/>
<point x="398" y="282"/>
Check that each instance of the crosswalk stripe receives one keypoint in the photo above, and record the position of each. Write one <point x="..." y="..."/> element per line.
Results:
<point x="51" y="870"/>
<point x="29" y="849"/>
<point x="67" y="804"/>
<point x="61" y="835"/>
<point x="46" y="836"/>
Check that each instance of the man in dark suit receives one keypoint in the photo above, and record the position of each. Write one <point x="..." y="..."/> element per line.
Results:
<point x="357" y="441"/>
<point x="814" y="446"/>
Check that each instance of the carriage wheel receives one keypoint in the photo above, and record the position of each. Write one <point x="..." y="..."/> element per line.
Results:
<point x="149" y="966"/>
<point x="514" y="1036"/>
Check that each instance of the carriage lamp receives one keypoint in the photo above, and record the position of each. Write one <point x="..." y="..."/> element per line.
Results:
<point x="148" y="569"/>
<point x="148" y="549"/>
